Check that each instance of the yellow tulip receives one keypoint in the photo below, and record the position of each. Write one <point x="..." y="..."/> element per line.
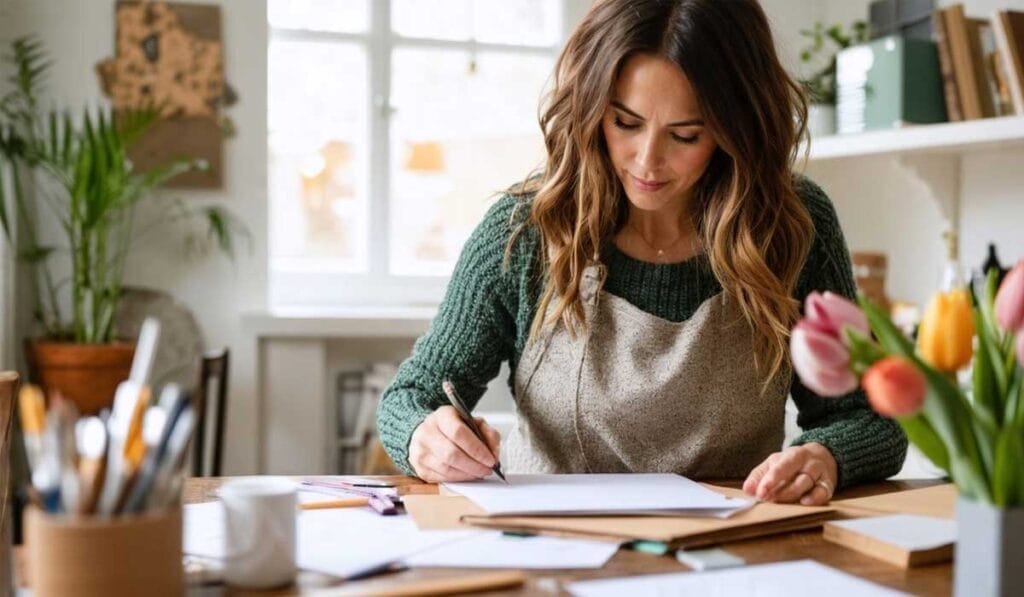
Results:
<point x="945" y="337"/>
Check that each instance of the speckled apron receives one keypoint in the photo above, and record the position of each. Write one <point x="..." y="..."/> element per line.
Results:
<point x="642" y="394"/>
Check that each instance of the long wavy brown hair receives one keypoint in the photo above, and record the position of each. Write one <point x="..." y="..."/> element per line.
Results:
<point x="753" y="225"/>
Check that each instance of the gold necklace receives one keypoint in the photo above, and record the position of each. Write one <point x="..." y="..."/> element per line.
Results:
<point x="660" y="253"/>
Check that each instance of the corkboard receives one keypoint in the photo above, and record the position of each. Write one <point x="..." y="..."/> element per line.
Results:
<point x="171" y="54"/>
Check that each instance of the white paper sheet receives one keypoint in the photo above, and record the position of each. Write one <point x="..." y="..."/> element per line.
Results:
<point x="349" y="542"/>
<point x="615" y="494"/>
<point x="342" y="542"/>
<point x="909" y="531"/>
<point x="786" y="579"/>
<point x="496" y="550"/>
<point x="204" y="525"/>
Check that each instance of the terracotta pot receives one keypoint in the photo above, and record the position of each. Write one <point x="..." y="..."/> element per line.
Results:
<point x="86" y="374"/>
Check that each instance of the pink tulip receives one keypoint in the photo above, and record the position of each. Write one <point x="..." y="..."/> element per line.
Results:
<point x="831" y="312"/>
<point x="1020" y="347"/>
<point x="1010" y="301"/>
<point x="821" y="360"/>
<point x="895" y="387"/>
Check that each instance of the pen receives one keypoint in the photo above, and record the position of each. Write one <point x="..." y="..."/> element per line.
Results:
<point x="92" y="448"/>
<point x="460" y="407"/>
<point x="32" y="408"/>
<point x="354" y="502"/>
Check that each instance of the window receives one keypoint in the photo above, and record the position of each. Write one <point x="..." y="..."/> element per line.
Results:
<point x="391" y="125"/>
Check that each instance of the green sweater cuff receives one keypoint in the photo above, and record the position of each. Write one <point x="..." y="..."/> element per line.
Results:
<point x="396" y="422"/>
<point x="866" y="446"/>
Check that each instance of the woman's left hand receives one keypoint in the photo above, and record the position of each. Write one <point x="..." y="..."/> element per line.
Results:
<point x="806" y="473"/>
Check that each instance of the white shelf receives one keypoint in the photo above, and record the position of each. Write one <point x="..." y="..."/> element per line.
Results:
<point x="955" y="138"/>
<point x="340" y="322"/>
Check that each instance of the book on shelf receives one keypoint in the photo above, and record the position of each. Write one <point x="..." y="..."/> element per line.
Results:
<point x="1008" y="30"/>
<point x="982" y="49"/>
<point x="969" y="86"/>
<point x="949" y="85"/>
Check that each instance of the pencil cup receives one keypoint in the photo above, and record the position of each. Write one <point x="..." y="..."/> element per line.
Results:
<point x="259" y="532"/>
<point x="109" y="557"/>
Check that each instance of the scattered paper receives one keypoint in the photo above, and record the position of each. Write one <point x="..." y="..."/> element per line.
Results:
<point x="343" y="542"/>
<point x="908" y="531"/>
<point x="492" y="549"/>
<point x="786" y="579"/>
<point x="610" y="494"/>
<point x="351" y="542"/>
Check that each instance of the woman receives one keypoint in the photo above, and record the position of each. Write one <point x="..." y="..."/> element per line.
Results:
<point x="643" y="286"/>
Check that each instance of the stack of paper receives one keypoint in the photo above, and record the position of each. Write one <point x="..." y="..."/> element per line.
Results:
<point x="575" y="514"/>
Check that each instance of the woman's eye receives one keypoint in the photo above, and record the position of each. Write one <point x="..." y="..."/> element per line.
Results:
<point x="622" y="125"/>
<point x="685" y="140"/>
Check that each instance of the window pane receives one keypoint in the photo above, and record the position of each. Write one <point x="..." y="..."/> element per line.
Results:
<point x="318" y="155"/>
<point x="520" y="22"/>
<point x="346" y="16"/>
<point x="460" y="134"/>
<point x="436" y="19"/>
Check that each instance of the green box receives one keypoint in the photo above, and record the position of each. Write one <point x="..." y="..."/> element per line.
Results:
<point x="888" y="82"/>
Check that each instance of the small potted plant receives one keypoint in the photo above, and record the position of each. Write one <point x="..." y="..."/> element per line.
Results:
<point x="975" y="434"/>
<point x="819" y="57"/>
<point x="72" y="174"/>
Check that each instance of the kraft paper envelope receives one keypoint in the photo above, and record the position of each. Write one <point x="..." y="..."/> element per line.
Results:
<point x="938" y="501"/>
<point x="447" y="512"/>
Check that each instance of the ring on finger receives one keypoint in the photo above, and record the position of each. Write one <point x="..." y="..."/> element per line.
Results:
<point x="824" y="485"/>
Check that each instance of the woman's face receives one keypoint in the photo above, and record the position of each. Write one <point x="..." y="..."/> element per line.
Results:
<point x="656" y="137"/>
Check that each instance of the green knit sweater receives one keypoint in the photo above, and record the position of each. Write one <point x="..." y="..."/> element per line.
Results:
<point x="486" y="314"/>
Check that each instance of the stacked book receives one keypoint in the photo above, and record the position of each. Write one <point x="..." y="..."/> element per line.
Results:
<point x="982" y="63"/>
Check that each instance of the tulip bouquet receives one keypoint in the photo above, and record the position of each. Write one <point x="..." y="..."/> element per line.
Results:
<point x="975" y="434"/>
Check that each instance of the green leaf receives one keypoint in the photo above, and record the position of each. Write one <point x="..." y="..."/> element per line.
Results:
<point x="921" y="433"/>
<point x="1008" y="474"/>
<point x="986" y="391"/>
<point x="891" y="338"/>
<point x="1014" y="414"/>
<point x="991" y="329"/>
<point x="36" y="254"/>
<point x="4" y="218"/>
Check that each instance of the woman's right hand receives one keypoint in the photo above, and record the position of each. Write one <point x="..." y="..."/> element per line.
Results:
<point x="443" y="448"/>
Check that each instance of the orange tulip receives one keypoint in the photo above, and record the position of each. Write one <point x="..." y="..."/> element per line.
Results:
<point x="895" y="387"/>
<point x="945" y="337"/>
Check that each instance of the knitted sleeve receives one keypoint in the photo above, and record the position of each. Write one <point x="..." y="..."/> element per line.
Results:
<point x="866" y="445"/>
<point x="472" y="333"/>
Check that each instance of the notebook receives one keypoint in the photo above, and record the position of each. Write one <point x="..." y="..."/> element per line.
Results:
<point x="904" y="540"/>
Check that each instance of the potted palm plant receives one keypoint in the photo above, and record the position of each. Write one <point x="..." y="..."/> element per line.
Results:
<point x="72" y="173"/>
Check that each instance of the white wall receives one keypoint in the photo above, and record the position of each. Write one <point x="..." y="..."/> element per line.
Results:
<point x="80" y="33"/>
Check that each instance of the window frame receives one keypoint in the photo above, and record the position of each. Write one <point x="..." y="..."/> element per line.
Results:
<point x="293" y="287"/>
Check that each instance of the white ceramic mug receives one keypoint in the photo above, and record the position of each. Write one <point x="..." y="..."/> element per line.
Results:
<point x="259" y="532"/>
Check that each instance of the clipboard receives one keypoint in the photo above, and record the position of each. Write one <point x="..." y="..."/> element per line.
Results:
<point x="452" y="512"/>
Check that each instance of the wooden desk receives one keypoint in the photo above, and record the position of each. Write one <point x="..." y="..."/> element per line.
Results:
<point x="930" y="580"/>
